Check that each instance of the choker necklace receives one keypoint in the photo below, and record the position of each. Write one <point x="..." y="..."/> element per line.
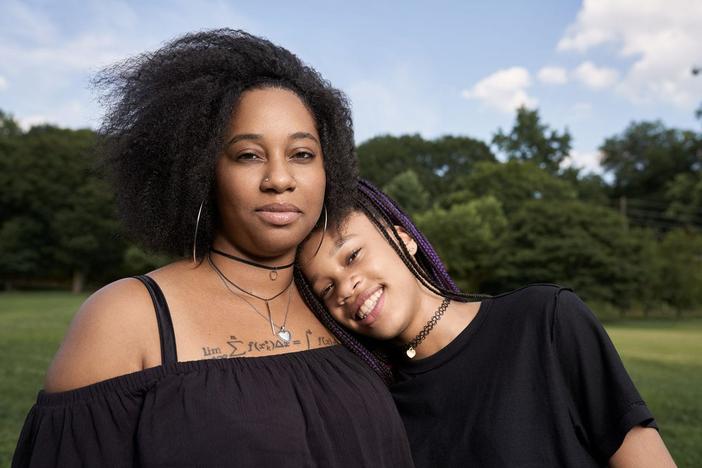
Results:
<point x="411" y="350"/>
<point x="273" y="270"/>
<point x="283" y="333"/>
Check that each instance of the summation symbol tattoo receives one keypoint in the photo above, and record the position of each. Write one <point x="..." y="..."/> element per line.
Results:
<point x="232" y="342"/>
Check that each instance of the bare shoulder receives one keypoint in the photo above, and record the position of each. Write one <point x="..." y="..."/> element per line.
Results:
<point x="108" y="337"/>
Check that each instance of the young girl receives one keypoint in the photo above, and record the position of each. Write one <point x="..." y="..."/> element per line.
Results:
<point x="525" y="378"/>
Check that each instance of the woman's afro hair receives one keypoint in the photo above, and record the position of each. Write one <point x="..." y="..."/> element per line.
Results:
<point x="167" y="117"/>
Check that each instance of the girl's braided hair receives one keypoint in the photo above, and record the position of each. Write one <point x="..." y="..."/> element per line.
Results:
<point x="426" y="266"/>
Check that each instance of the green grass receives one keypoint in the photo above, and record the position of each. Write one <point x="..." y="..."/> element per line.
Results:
<point x="664" y="357"/>
<point x="31" y="328"/>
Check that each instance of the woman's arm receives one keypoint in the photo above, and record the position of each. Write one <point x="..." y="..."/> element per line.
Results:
<point x="642" y="448"/>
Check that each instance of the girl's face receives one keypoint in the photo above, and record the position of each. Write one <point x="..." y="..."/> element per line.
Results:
<point x="270" y="176"/>
<point x="361" y="279"/>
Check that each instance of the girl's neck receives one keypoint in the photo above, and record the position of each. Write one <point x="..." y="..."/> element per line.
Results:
<point x="455" y="319"/>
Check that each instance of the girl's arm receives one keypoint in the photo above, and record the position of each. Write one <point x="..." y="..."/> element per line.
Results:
<point x="642" y="448"/>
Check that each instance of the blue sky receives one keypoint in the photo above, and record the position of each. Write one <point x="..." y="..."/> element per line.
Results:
<point x="424" y="67"/>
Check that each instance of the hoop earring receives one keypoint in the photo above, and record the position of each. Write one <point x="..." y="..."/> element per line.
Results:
<point x="324" y="229"/>
<point x="197" y="225"/>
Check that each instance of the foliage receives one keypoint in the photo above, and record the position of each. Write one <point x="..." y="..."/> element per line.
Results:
<point x="436" y="162"/>
<point x="497" y="224"/>
<point x="406" y="189"/>
<point x="586" y="247"/>
<point x="684" y="195"/>
<point x="470" y="235"/>
<point x="57" y="214"/>
<point x="512" y="183"/>
<point x="530" y="140"/>
<point x="647" y="155"/>
<point x="680" y="278"/>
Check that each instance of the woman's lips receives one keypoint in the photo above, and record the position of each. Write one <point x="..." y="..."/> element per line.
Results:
<point x="279" y="214"/>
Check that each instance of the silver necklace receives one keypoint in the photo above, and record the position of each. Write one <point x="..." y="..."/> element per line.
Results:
<point x="283" y="333"/>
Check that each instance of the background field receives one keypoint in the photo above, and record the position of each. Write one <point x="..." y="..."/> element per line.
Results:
<point x="663" y="357"/>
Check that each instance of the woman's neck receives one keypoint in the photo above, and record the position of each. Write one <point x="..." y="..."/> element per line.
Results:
<point x="261" y="275"/>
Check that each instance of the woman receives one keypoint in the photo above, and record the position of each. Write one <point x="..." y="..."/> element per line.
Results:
<point x="229" y="149"/>
<point x="526" y="378"/>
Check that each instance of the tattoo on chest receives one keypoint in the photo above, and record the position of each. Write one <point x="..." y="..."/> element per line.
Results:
<point x="238" y="347"/>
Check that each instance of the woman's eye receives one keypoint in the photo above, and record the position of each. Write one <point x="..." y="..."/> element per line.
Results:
<point x="353" y="256"/>
<point x="248" y="157"/>
<point x="303" y="155"/>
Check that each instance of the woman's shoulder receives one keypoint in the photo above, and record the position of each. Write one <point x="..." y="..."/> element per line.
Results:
<point x="110" y="335"/>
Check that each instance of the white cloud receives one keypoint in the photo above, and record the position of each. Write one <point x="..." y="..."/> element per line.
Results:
<point x="588" y="160"/>
<point x="3" y="83"/>
<point x="553" y="75"/>
<point x="50" y="60"/>
<point x="662" y="38"/>
<point x="595" y="77"/>
<point x="504" y="90"/>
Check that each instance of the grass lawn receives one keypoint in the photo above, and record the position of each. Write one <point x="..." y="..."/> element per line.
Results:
<point x="664" y="357"/>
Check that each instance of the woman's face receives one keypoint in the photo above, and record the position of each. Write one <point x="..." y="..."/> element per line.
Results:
<point x="361" y="280"/>
<point x="270" y="176"/>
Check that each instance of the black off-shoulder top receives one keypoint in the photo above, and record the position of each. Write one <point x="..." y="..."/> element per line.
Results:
<point x="318" y="408"/>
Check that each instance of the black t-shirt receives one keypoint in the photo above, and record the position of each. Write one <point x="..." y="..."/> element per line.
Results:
<point x="533" y="381"/>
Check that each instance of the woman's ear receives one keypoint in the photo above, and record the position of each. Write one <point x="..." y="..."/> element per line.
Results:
<point x="409" y="242"/>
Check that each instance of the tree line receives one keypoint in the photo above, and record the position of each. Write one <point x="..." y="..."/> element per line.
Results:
<point x="501" y="213"/>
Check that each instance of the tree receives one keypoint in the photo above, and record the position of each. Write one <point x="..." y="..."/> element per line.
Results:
<point x="512" y="183"/>
<point x="435" y="162"/>
<point x="684" y="195"/>
<point x="8" y="126"/>
<point x="647" y="155"/>
<point x="57" y="215"/>
<point x="583" y="246"/>
<point x="406" y="189"/>
<point x="530" y="140"/>
<point x="468" y="237"/>
<point x="680" y="276"/>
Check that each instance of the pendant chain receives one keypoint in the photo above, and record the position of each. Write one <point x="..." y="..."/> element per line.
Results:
<point x="282" y="333"/>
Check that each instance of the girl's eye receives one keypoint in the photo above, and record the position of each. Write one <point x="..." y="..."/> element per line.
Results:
<point x="353" y="256"/>
<point x="326" y="291"/>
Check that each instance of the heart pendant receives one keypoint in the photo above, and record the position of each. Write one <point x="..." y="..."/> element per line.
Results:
<point x="411" y="352"/>
<point x="284" y="335"/>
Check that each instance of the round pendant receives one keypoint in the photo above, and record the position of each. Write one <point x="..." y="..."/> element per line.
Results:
<point x="284" y="335"/>
<point x="411" y="352"/>
<point x="273" y="275"/>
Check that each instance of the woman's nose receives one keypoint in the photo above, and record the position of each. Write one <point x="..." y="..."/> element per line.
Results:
<point x="279" y="176"/>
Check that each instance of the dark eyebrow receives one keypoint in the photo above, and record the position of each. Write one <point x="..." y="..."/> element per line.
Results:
<point x="301" y="135"/>
<point x="244" y="136"/>
<point x="255" y="137"/>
